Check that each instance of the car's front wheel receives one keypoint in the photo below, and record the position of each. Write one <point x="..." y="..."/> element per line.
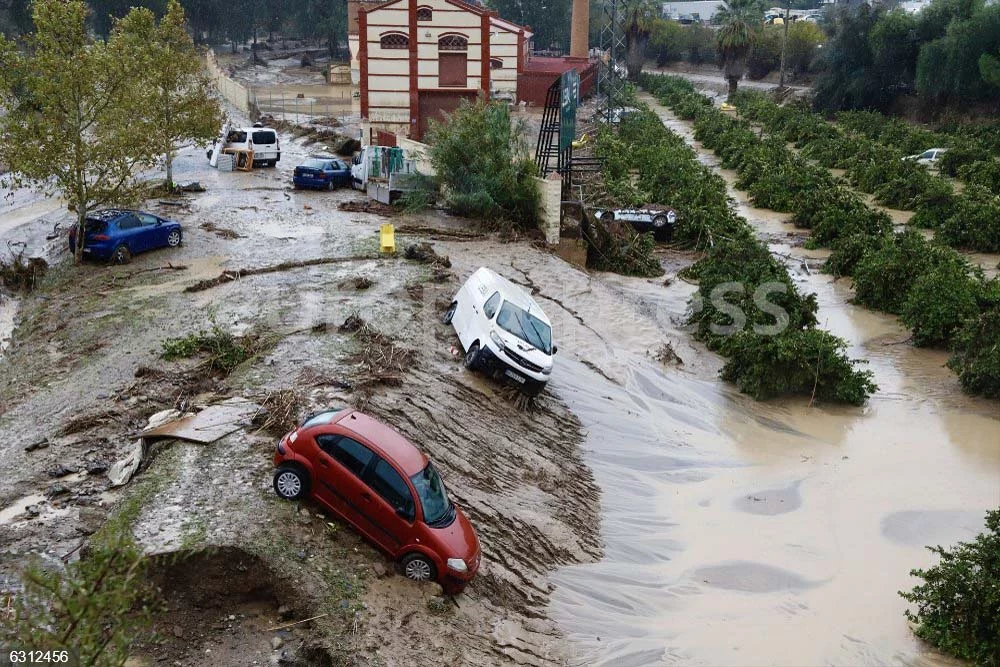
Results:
<point x="449" y="314"/>
<point x="174" y="238"/>
<point x="472" y="357"/>
<point x="290" y="482"/>
<point x="417" y="567"/>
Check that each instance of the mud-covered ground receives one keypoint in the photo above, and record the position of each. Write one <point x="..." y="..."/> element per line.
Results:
<point x="84" y="373"/>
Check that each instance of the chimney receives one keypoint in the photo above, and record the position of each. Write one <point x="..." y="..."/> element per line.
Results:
<point x="578" y="42"/>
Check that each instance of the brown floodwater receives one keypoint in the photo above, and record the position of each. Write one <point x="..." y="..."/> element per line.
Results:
<point x="748" y="533"/>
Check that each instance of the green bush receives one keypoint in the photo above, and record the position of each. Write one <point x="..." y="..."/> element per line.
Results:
<point x="766" y="54"/>
<point x="482" y="161"/>
<point x="98" y="606"/>
<point x="941" y="301"/>
<point x="883" y="278"/>
<point x="976" y="355"/>
<point x="223" y="350"/>
<point x="848" y="251"/>
<point x="934" y="205"/>
<point x="975" y="222"/>
<point x="984" y="173"/>
<point x="804" y="41"/>
<point x="958" y="605"/>
<point x="960" y="155"/>
<point x="811" y="362"/>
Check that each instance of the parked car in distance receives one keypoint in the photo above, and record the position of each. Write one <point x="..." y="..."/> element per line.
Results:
<point x="503" y="331"/>
<point x="929" y="157"/>
<point x="660" y="221"/>
<point x="322" y="172"/>
<point x="118" y="234"/>
<point x="377" y="481"/>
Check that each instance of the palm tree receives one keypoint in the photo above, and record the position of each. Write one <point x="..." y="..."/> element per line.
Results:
<point x="740" y="22"/>
<point x="637" y="19"/>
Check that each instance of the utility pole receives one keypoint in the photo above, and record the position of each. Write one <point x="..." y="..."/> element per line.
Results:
<point x="784" y="43"/>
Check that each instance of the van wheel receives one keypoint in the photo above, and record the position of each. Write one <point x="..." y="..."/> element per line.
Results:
<point x="449" y="314"/>
<point x="272" y="164"/>
<point x="121" y="255"/>
<point x="472" y="357"/>
<point x="290" y="482"/>
<point x="416" y="567"/>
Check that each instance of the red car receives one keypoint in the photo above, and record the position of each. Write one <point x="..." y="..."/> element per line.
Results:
<point x="377" y="481"/>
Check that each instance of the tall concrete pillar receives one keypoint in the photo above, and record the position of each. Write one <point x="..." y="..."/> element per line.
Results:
<point x="578" y="43"/>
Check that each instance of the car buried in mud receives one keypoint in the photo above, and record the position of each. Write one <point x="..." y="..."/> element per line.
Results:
<point x="504" y="333"/>
<point x="377" y="481"/>
<point x="660" y="221"/>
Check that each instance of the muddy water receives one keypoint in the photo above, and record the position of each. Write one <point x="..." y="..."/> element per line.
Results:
<point x="744" y="533"/>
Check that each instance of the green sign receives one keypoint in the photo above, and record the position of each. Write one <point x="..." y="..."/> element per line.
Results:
<point x="569" y="88"/>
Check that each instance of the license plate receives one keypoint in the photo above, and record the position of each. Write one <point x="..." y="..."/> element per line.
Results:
<point x="514" y="376"/>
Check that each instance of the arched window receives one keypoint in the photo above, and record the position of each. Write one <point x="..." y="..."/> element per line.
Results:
<point x="453" y="43"/>
<point x="394" y="40"/>
<point x="496" y="63"/>
<point x="425" y="14"/>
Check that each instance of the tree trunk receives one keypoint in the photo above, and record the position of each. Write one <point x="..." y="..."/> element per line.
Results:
<point x="81" y="228"/>
<point x="170" y="171"/>
<point x="733" y="82"/>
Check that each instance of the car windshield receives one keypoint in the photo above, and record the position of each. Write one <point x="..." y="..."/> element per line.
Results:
<point x="927" y="154"/>
<point x="263" y="137"/>
<point x="525" y="326"/>
<point x="319" y="418"/>
<point x="433" y="498"/>
<point x="313" y="163"/>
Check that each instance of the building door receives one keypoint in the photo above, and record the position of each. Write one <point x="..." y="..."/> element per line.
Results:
<point x="435" y="103"/>
<point x="453" y="70"/>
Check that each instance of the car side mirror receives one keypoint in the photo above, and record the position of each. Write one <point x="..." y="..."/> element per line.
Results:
<point x="555" y="348"/>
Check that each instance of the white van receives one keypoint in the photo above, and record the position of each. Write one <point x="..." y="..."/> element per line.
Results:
<point x="263" y="141"/>
<point x="503" y="331"/>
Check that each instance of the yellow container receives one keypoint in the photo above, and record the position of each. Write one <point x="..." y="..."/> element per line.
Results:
<point x="387" y="238"/>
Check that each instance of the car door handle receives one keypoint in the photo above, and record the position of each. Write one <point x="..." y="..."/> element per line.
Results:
<point x="324" y="463"/>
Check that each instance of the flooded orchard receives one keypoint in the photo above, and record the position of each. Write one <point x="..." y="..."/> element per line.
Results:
<point x="742" y="533"/>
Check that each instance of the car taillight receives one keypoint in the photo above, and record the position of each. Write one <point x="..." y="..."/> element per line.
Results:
<point x="100" y="237"/>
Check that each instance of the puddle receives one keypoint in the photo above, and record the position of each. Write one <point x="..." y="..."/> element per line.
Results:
<point x="805" y="522"/>
<point x="18" y="508"/>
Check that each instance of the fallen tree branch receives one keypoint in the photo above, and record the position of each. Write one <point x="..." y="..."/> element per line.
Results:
<point x="236" y="274"/>
<point x="288" y="625"/>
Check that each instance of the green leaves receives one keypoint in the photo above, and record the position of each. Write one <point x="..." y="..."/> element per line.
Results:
<point x="483" y="165"/>
<point x="958" y="605"/>
<point x="86" y="116"/>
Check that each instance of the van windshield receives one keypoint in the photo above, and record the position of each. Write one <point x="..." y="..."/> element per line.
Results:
<point x="433" y="498"/>
<point x="263" y="137"/>
<point x="516" y="320"/>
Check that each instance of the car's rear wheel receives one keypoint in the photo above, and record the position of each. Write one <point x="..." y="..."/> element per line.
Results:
<point x="472" y="357"/>
<point x="290" y="482"/>
<point x="417" y="567"/>
<point x="449" y="314"/>
<point x="272" y="164"/>
<point x="660" y="221"/>
<point x="174" y="238"/>
<point x="329" y="185"/>
<point x="121" y="255"/>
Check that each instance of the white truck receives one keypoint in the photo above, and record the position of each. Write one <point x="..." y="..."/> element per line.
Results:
<point x="384" y="172"/>
<point x="262" y="141"/>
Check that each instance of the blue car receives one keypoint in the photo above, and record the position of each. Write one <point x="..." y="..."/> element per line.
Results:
<point x="117" y="234"/>
<point x="322" y="172"/>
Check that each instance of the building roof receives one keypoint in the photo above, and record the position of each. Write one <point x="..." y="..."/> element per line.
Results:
<point x="555" y="65"/>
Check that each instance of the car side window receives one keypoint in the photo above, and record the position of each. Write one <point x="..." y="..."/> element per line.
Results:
<point x="349" y="453"/>
<point x="389" y="484"/>
<point x="146" y="219"/>
<point x="128" y="222"/>
<point x="491" y="305"/>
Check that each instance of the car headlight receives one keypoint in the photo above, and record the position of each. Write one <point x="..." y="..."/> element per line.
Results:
<point x="495" y="337"/>
<point x="547" y="371"/>
<point x="458" y="565"/>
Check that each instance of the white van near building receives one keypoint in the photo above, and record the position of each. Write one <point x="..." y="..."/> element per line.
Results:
<point x="263" y="141"/>
<point x="504" y="333"/>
